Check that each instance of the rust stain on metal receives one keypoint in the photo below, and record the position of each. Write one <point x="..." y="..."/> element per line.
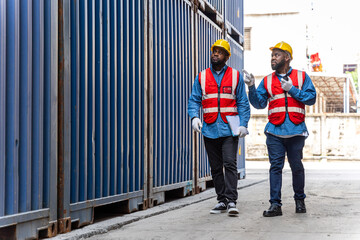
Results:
<point x="64" y="225"/>
<point x="60" y="186"/>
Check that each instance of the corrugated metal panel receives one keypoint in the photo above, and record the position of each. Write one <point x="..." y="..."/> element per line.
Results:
<point x="103" y="71"/>
<point x="28" y="116"/>
<point x="107" y="104"/>
<point x="207" y="34"/>
<point x="2" y="103"/>
<point x="237" y="61"/>
<point x="237" y="55"/>
<point x="235" y="14"/>
<point x="217" y="4"/>
<point x="172" y="82"/>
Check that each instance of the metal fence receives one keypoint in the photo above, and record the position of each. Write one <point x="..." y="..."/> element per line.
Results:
<point x="93" y="108"/>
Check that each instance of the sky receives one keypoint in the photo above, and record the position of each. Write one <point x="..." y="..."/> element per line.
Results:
<point x="333" y="27"/>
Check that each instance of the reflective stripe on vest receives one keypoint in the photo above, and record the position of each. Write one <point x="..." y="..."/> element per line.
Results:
<point x="290" y="109"/>
<point x="215" y="95"/>
<point x="211" y="97"/>
<point x="277" y="108"/>
<point x="223" y="109"/>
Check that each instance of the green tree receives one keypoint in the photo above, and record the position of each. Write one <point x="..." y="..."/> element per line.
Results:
<point x="354" y="75"/>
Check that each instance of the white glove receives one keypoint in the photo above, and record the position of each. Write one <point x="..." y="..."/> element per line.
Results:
<point x="243" y="131"/>
<point x="249" y="79"/>
<point x="196" y="124"/>
<point x="286" y="85"/>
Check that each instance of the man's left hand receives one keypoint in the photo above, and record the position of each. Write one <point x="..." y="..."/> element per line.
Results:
<point x="286" y="85"/>
<point x="243" y="131"/>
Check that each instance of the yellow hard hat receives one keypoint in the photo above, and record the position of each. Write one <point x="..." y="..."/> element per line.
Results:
<point x="223" y="44"/>
<point x="283" y="46"/>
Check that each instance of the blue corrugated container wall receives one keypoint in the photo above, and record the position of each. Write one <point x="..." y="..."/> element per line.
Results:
<point x="217" y="4"/>
<point x="237" y="55"/>
<point x="107" y="95"/>
<point x="28" y="117"/>
<point x="207" y="34"/>
<point x="125" y="73"/>
<point x="237" y="61"/>
<point x="234" y="14"/>
<point x="172" y="81"/>
<point x="234" y="22"/>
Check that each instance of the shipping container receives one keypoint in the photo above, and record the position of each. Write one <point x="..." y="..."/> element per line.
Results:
<point x="237" y="61"/>
<point x="172" y="76"/>
<point x="105" y="104"/>
<point x="28" y="119"/>
<point x="234" y="16"/>
<point x="218" y="5"/>
<point x="207" y="33"/>
<point x="237" y="54"/>
<point x="93" y="107"/>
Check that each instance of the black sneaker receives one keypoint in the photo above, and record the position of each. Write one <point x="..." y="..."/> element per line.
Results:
<point x="219" y="208"/>
<point x="231" y="209"/>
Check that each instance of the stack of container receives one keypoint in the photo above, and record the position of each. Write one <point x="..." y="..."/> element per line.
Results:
<point x="93" y="106"/>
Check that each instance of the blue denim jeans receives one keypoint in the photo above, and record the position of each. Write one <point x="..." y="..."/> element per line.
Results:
<point x="293" y="147"/>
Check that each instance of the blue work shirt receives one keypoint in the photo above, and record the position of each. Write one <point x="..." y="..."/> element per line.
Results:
<point x="219" y="128"/>
<point x="259" y="98"/>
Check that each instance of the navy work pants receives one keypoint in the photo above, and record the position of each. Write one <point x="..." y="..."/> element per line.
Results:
<point x="277" y="147"/>
<point x="222" y="158"/>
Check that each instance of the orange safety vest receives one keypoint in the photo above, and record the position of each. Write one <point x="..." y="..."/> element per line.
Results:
<point x="217" y="99"/>
<point x="280" y="102"/>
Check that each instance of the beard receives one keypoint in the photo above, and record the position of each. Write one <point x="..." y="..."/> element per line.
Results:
<point x="276" y="67"/>
<point x="217" y="63"/>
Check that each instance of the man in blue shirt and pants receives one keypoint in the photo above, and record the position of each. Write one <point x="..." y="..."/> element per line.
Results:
<point x="220" y="91"/>
<point x="287" y="91"/>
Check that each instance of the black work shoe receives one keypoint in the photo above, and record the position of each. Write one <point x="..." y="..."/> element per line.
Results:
<point x="274" y="210"/>
<point x="219" y="208"/>
<point x="300" y="206"/>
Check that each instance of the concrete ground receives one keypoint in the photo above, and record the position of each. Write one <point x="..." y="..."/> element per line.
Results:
<point x="333" y="211"/>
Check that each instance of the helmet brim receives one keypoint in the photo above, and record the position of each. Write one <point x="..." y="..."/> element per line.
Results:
<point x="272" y="48"/>
<point x="212" y="47"/>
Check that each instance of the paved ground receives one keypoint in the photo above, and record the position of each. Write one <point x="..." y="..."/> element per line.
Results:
<point x="333" y="211"/>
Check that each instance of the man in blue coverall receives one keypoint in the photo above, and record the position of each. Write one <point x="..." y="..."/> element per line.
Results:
<point x="288" y="91"/>
<point x="220" y="91"/>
